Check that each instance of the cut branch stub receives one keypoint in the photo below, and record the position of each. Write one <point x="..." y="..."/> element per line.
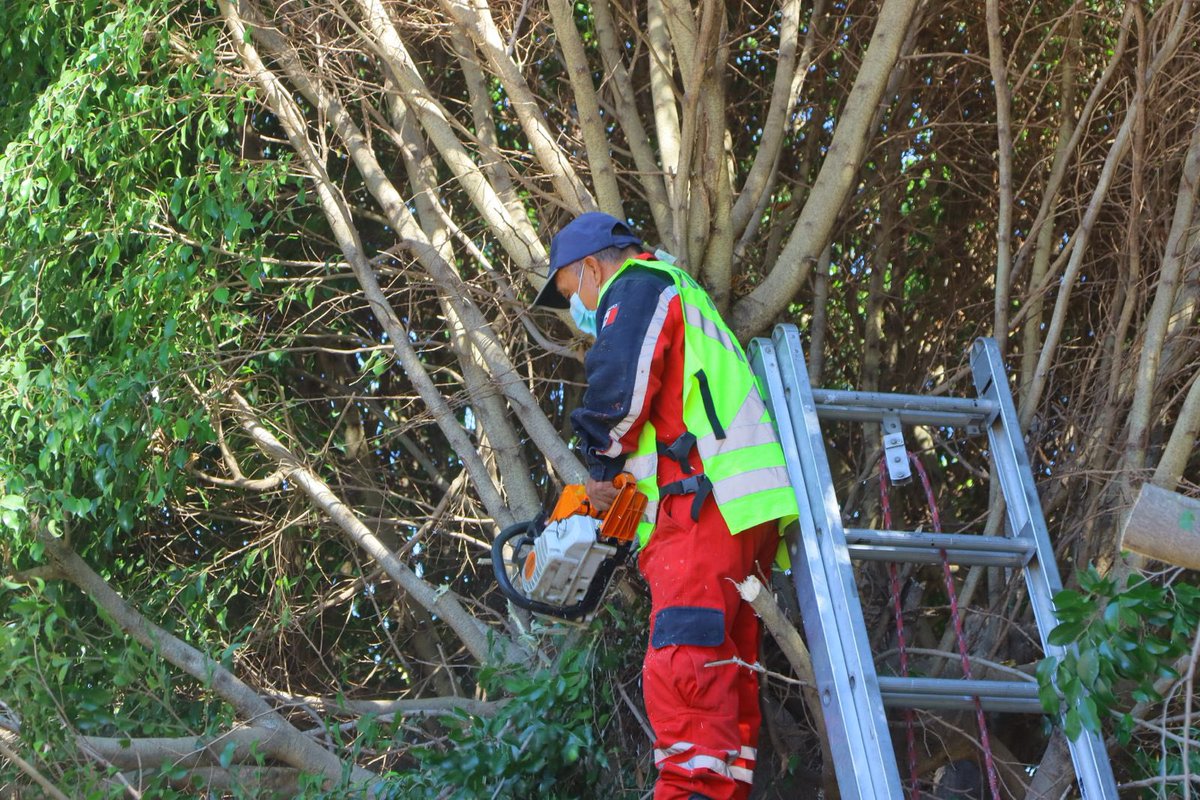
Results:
<point x="1165" y="526"/>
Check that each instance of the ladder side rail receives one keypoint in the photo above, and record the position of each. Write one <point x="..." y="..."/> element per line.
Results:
<point x="835" y="559"/>
<point x="1024" y="512"/>
<point x="856" y="774"/>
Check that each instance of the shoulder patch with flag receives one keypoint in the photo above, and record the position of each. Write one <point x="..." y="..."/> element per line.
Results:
<point x="610" y="316"/>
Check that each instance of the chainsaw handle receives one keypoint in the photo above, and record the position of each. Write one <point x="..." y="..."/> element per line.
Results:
<point x="584" y="607"/>
<point x="498" y="564"/>
<point x="500" y="568"/>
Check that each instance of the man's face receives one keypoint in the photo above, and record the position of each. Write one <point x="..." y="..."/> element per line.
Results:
<point x="584" y="277"/>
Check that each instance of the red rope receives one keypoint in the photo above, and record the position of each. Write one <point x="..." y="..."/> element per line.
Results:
<point x="901" y="641"/>
<point x="936" y="520"/>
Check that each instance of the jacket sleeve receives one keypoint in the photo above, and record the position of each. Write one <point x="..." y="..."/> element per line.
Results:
<point x="624" y="368"/>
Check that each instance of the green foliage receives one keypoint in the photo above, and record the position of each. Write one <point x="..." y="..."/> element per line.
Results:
<point x="116" y="173"/>
<point x="541" y="743"/>
<point x="126" y="219"/>
<point x="123" y="211"/>
<point x="59" y="656"/>
<point x="1167" y="761"/>
<point x="1121" y="635"/>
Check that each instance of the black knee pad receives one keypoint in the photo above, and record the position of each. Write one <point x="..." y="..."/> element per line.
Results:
<point x="689" y="625"/>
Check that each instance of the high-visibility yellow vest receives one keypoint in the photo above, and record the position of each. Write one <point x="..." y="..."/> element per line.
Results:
<point x="723" y="408"/>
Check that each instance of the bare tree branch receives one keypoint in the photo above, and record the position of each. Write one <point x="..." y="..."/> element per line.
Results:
<point x="29" y="769"/>
<point x="476" y="19"/>
<point x="999" y="67"/>
<point x="783" y="100"/>
<point x="587" y="108"/>
<point x="338" y="215"/>
<point x="835" y="180"/>
<point x="511" y="229"/>
<point x="437" y="600"/>
<point x="280" y="740"/>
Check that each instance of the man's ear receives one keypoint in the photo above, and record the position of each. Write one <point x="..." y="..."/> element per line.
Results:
<point x="594" y="267"/>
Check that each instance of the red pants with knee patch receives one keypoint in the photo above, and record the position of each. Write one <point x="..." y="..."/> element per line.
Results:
<point x="705" y="718"/>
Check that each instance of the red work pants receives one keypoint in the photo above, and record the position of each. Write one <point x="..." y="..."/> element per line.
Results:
<point x="705" y="718"/>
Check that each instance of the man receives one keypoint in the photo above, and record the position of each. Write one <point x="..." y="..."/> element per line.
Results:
<point x="671" y="399"/>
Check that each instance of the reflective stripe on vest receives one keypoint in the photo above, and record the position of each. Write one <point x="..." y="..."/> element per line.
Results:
<point x="743" y="484"/>
<point x="643" y="464"/>
<point x="749" y="428"/>
<point x="711" y="329"/>
<point x="644" y="469"/>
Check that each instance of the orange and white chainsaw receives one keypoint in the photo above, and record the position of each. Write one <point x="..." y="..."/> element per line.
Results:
<point x="561" y="568"/>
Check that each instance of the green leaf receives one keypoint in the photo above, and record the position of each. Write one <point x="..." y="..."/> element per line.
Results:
<point x="1125" y="729"/>
<point x="1068" y="600"/>
<point x="77" y="505"/>
<point x="1089" y="667"/>
<point x="1048" y="696"/>
<point x="1066" y="633"/>
<point x="1088" y="715"/>
<point x="1112" y="617"/>
<point x="1143" y="695"/>
<point x="12" y="502"/>
<point x="226" y="757"/>
<point x="1072" y="725"/>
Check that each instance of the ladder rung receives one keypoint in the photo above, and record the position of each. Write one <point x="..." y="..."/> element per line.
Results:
<point x="913" y="409"/>
<point x="1003" y="705"/>
<point x="957" y="693"/>
<point x="923" y="548"/>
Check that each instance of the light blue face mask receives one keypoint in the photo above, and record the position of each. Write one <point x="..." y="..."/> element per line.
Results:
<point x="585" y="318"/>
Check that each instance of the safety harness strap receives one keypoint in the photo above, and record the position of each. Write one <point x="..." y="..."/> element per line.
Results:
<point x="678" y="451"/>
<point x="698" y="485"/>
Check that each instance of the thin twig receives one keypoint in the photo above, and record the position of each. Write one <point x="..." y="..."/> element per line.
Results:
<point x="104" y="762"/>
<point x="636" y="713"/>
<point x="923" y="651"/>
<point x="1187" y="718"/>
<point x="759" y="668"/>
<point x="1159" y="779"/>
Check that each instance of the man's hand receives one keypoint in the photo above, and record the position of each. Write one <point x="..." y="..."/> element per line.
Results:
<point x="601" y="494"/>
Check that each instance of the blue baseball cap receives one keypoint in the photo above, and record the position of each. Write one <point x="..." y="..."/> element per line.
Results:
<point x="586" y="234"/>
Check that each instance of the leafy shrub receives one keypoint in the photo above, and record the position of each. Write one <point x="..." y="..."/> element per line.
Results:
<point x="1121" y="634"/>
<point x="541" y="743"/>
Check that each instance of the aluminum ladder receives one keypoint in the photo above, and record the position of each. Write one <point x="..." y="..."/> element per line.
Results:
<point x="853" y="695"/>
